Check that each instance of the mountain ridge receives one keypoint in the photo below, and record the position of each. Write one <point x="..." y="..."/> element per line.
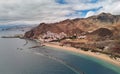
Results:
<point x="76" y="26"/>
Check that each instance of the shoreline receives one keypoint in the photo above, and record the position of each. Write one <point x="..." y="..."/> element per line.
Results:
<point x="101" y="56"/>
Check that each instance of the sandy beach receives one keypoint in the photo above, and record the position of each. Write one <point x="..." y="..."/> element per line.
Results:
<point x="92" y="54"/>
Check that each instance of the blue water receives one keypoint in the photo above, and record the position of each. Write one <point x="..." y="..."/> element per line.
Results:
<point x="15" y="58"/>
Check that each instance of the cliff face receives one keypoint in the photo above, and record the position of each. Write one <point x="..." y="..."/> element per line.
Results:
<point x="77" y="27"/>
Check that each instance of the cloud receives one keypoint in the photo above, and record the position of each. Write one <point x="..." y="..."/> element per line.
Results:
<point x="108" y="6"/>
<point x="32" y="10"/>
<point x="36" y="11"/>
<point x="90" y="13"/>
<point x="111" y="6"/>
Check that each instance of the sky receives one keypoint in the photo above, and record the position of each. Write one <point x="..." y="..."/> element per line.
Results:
<point x="49" y="11"/>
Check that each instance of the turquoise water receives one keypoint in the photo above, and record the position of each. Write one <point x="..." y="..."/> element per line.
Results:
<point x="93" y="59"/>
<point x="15" y="58"/>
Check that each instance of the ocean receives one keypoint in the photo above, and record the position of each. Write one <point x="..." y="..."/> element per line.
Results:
<point x="18" y="58"/>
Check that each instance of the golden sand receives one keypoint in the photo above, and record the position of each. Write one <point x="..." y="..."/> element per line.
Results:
<point x="93" y="54"/>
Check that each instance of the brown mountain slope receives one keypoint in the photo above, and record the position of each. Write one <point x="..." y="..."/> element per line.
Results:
<point x="77" y="26"/>
<point x="105" y="18"/>
<point x="102" y="32"/>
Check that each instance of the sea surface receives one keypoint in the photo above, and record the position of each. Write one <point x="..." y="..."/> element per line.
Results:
<point x="16" y="57"/>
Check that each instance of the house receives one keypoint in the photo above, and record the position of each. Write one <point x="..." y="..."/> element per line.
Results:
<point x="81" y="37"/>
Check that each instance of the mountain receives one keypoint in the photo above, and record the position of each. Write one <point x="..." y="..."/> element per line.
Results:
<point x="13" y="27"/>
<point x="102" y="32"/>
<point x="102" y="24"/>
<point x="105" y="18"/>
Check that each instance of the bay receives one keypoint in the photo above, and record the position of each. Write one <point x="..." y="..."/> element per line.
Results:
<point x="17" y="58"/>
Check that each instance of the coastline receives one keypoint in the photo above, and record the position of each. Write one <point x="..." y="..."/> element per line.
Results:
<point x="101" y="56"/>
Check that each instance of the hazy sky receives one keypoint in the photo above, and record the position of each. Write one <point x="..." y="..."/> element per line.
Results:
<point x="36" y="11"/>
